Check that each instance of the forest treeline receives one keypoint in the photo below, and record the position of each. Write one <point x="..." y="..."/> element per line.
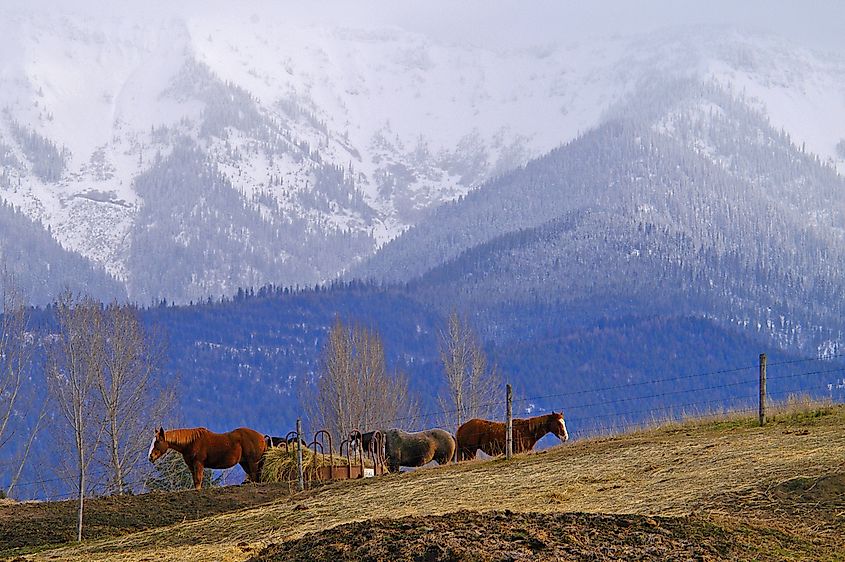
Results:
<point x="87" y="385"/>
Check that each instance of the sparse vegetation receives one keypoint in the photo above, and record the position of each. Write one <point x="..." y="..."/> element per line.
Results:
<point x="736" y="491"/>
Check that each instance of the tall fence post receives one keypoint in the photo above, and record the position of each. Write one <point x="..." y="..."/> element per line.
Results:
<point x="509" y="426"/>
<point x="300" y="484"/>
<point x="762" y="389"/>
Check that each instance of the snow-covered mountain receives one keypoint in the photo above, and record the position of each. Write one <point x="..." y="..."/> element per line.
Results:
<point x="251" y="148"/>
<point x="686" y="202"/>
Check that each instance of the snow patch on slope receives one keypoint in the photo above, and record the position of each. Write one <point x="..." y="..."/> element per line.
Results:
<point x="409" y="120"/>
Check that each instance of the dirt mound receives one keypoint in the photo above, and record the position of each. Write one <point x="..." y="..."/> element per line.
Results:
<point x="41" y="523"/>
<point x="494" y="536"/>
<point x="813" y="506"/>
<point x="821" y="499"/>
<point x="828" y="490"/>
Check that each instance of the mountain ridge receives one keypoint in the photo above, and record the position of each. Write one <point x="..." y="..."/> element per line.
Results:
<point x="301" y="123"/>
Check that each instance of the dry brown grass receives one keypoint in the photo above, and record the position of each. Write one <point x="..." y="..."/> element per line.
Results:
<point x="702" y="466"/>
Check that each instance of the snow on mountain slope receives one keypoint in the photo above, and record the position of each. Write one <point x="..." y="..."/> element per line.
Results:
<point x="325" y="132"/>
<point x="800" y="90"/>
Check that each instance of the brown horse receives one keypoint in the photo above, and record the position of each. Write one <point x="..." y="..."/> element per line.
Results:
<point x="489" y="436"/>
<point x="202" y="449"/>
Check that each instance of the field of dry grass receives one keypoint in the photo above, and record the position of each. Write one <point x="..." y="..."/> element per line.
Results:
<point x="725" y="469"/>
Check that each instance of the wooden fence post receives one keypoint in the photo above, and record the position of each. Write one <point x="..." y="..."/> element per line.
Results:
<point x="300" y="484"/>
<point x="762" y="389"/>
<point x="509" y="426"/>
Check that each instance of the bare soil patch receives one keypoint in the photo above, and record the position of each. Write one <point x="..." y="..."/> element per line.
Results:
<point x="509" y="536"/>
<point x="32" y="524"/>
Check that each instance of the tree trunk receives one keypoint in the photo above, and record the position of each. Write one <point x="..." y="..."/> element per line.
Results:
<point x="81" y="493"/>
<point x="115" y="455"/>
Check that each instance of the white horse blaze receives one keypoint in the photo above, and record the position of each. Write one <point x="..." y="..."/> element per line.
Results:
<point x="563" y="427"/>
<point x="152" y="446"/>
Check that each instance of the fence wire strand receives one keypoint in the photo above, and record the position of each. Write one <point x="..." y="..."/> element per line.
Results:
<point x="742" y="404"/>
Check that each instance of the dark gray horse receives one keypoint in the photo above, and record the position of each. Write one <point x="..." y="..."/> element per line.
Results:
<point x="365" y="438"/>
<point x="413" y="449"/>
<point x="272" y="441"/>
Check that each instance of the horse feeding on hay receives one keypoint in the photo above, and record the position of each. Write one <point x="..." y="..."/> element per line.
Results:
<point x="272" y="441"/>
<point x="411" y="449"/>
<point x="202" y="448"/>
<point x="489" y="436"/>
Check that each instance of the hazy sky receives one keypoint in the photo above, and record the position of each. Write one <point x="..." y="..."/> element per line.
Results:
<point x="511" y="23"/>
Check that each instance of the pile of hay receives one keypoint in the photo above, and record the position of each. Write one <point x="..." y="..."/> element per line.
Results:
<point x="280" y="465"/>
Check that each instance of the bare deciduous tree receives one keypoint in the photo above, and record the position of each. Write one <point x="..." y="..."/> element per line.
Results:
<point x="354" y="388"/>
<point x="18" y="416"/>
<point x="472" y="387"/>
<point x="131" y="397"/>
<point x="73" y="360"/>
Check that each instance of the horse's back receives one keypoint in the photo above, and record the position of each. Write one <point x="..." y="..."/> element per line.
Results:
<point x="248" y="433"/>
<point x="251" y="442"/>
<point x="239" y="443"/>
<point x="476" y="430"/>
<point x="489" y="436"/>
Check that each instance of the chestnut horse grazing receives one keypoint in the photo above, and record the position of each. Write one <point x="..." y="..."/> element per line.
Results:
<point x="202" y="449"/>
<point x="489" y="436"/>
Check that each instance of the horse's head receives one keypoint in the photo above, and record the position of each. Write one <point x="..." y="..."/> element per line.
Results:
<point x="354" y="440"/>
<point x="159" y="445"/>
<point x="557" y="426"/>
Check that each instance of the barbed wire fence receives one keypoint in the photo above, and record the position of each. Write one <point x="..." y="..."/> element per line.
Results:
<point x="600" y="410"/>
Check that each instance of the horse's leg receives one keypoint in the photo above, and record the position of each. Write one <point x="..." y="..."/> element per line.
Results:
<point x="250" y="469"/>
<point x="197" y="471"/>
<point x="394" y="461"/>
<point x="493" y="448"/>
<point x="444" y="453"/>
<point x="259" y="467"/>
<point x="466" y="454"/>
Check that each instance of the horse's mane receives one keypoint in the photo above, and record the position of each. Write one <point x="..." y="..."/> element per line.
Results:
<point x="536" y="423"/>
<point x="536" y="420"/>
<point x="183" y="436"/>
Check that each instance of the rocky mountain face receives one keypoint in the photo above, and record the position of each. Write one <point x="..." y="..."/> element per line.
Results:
<point x="253" y="148"/>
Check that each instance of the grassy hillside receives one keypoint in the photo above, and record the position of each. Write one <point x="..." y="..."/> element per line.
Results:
<point x="723" y="489"/>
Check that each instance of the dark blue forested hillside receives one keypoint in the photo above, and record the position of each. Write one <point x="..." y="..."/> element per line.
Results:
<point x="239" y="362"/>
<point x="629" y="370"/>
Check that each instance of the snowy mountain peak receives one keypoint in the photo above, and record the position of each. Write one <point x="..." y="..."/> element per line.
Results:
<point x="311" y="146"/>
